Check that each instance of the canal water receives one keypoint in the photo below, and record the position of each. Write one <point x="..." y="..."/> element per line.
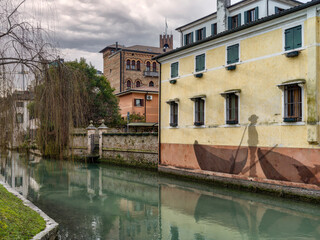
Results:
<point x="92" y="201"/>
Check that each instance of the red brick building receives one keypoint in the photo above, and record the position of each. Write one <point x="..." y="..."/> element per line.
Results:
<point x="132" y="72"/>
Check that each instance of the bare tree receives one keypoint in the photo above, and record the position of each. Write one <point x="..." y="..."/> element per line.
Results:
<point x="22" y="40"/>
<point x="24" y="47"/>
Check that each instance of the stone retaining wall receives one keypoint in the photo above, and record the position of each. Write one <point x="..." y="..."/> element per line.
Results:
<point x="131" y="148"/>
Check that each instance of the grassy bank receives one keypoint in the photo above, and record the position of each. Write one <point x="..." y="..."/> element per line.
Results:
<point x="17" y="221"/>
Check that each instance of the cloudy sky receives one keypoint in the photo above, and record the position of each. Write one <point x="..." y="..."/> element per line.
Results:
<point x="83" y="27"/>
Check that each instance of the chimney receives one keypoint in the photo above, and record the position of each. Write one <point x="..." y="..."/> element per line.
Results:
<point x="222" y="15"/>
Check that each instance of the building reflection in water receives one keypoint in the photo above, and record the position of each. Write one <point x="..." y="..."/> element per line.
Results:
<point x="104" y="202"/>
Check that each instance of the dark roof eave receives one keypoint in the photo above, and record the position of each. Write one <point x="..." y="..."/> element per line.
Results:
<point x="136" y="91"/>
<point x="242" y="27"/>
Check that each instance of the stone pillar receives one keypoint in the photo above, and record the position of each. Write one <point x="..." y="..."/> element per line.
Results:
<point x="91" y="132"/>
<point x="102" y="129"/>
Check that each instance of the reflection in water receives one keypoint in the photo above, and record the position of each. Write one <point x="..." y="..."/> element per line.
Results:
<point x="102" y="202"/>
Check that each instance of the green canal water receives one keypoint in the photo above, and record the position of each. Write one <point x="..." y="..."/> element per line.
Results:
<point x="92" y="201"/>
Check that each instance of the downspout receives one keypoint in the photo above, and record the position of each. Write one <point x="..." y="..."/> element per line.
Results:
<point x="267" y="7"/>
<point x="145" y="105"/>
<point x="159" y="118"/>
<point x="120" y="71"/>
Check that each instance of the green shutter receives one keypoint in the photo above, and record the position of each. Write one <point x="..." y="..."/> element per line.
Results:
<point x="212" y="29"/>
<point x="204" y="32"/>
<point x="236" y="52"/>
<point x="191" y="38"/>
<point x="229" y="23"/>
<point x="297" y="37"/>
<point x="245" y="17"/>
<point x="288" y="34"/>
<point x="185" y="39"/>
<point x="197" y="35"/>
<point x="257" y="13"/>
<point x="233" y="54"/>
<point x="197" y="63"/>
<point x="200" y="62"/>
<point x="174" y="69"/>
<point x="239" y="20"/>
<point x="276" y="9"/>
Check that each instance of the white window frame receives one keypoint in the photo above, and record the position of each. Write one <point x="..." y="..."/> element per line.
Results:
<point x="292" y="25"/>
<point x="226" y="54"/>
<point x="225" y="110"/>
<point x="204" y="113"/>
<point x="302" y="122"/>
<point x="205" y="62"/>
<point x="178" y="70"/>
<point x="170" y="115"/>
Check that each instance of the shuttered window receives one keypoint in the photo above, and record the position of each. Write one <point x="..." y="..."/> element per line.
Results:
<point x="234" y="21"/>
<point x="233" y="54"/>
<point x="292" y="103"/>
<point x="173" y="114"/>
<point x="232" y="108"/>
<point x="201" y="34"/>
<point x="188" y="38"/>
<point x="200" y="62"/>
<point x="214" y="29"/>
<point x="293" y="38"/>
<point x="199" y="112"/>
<point x="174" y="70"/>
<point x="251" y="15"/>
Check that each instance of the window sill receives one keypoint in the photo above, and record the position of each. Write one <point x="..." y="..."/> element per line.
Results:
<point x="231" y="125"/>
<point x="203" y="71"/>
<point x="292" y="53"/>
<point x="300" y="123"/>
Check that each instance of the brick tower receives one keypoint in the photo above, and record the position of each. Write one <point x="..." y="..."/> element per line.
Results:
<point x="166" y="42"/>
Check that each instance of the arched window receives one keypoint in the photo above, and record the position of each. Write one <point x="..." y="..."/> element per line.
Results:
<point x="148" y="67"/>
<point x="138" y="65"/>
<point x="128" y="84"/>
<point x="128" y="64"/>
<point x="138" y="84"/>
<point x="151" y="84"/>
<point x="154" y="67"/>
<point x="133" y="65"/>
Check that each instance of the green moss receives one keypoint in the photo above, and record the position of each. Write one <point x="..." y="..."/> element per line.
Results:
<point x="17" y="221"/>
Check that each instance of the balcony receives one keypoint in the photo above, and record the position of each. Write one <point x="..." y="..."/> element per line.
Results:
<point x="150" y="74"/>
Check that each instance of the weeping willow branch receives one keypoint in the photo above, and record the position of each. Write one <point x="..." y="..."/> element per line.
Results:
<point x="60" y="105"/>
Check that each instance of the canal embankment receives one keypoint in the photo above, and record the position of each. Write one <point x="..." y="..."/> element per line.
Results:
<point x="21" y="219"/>
<point x="289" y="190"/>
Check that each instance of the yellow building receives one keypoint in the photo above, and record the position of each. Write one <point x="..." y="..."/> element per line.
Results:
<point x="244" y="102"/>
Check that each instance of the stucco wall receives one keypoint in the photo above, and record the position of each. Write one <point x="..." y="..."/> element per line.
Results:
<point x="266" y="148"/>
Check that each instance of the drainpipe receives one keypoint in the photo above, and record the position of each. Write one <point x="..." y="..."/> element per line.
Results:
<point x="159" y="118"/>
<point x="267" y="7"/>
<point x="120" y="71"/>
<point x="145" y="106"/>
